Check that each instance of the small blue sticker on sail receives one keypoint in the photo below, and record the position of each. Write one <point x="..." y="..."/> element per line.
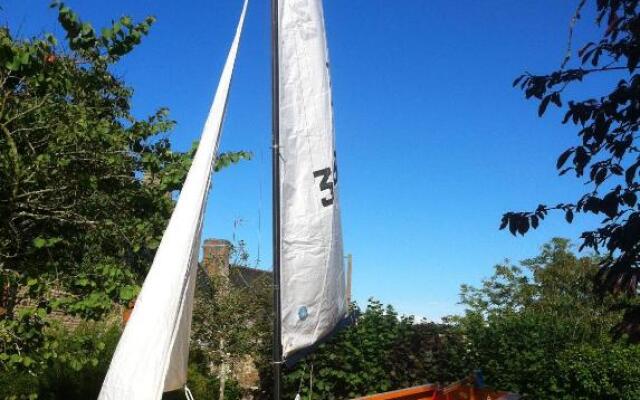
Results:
<point x="303" y="313"/>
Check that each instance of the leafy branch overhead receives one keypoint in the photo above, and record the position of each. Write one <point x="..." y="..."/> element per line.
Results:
<point x="113" y="42"/>
<point x="606" y="155"/>
<point x="229" y="158"/>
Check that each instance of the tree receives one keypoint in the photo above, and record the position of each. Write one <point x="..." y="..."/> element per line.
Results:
<point x="86" y="189"/>
<point x="232" y="324"/>
<point x="540" y="329"/>
<point x="60" y="380"/>
<point x="381" y="351"/>
<point x="606" y="155"/>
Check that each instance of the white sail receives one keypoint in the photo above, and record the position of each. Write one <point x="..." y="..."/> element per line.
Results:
<point x="312" y="283"/>
<point x="152" y="354"/>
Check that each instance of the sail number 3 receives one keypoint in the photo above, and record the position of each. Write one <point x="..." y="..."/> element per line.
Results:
<point x="329" y="179"/>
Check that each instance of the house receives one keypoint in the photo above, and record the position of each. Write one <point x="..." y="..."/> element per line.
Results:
<point x="216" y="262"/>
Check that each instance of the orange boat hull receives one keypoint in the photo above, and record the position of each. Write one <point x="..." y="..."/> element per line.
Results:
<point x="461" y="390"/>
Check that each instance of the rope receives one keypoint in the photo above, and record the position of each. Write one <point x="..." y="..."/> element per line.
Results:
<point x="311" y="382"/>
<point x="188" y="394"/>
<point x="304" y="368"/>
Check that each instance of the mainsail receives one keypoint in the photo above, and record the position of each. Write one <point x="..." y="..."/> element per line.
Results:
<point x="152" y="355"/>
<point x="312" y="282"/>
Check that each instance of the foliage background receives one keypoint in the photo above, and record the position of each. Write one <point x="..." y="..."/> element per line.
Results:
<point x="605" y="156"/>
<point x="537" y="328"/>
<point x="86" y="190"/>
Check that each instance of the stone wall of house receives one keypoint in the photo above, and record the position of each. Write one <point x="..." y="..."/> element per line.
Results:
<point x="215" y="261"/>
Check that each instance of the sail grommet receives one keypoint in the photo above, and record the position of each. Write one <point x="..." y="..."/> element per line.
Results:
<point x="303" y="313"/>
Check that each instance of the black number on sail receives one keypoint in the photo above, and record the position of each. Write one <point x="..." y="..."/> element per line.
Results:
<point x="335" y="169"/>
<point x="325" y="184"/>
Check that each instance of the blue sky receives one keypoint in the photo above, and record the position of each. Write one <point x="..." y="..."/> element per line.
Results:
<point x="434" y="144"/>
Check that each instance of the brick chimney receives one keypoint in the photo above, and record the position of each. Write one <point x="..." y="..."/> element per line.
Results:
<point x="215" y="257"/>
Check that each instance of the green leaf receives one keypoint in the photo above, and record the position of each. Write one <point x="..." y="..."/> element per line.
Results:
<point x="563" y="158"/>
<point x="543" y="105"/>
<point x="39" y="242"/>
<point x="517" y="80"/>
<point x="630" y="198"/>
<point x="107" y="33"/>
<point x="569" y="215"/>
<point x="630" y="173"/>
<point x="128" y="293"/>
<point x="534" y="221"/>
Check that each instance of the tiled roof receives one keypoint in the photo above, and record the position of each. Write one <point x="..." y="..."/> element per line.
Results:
<point x="246" y="277"/>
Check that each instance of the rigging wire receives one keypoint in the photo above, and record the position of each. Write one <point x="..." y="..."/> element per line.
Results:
<point x="260" y="184"/>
